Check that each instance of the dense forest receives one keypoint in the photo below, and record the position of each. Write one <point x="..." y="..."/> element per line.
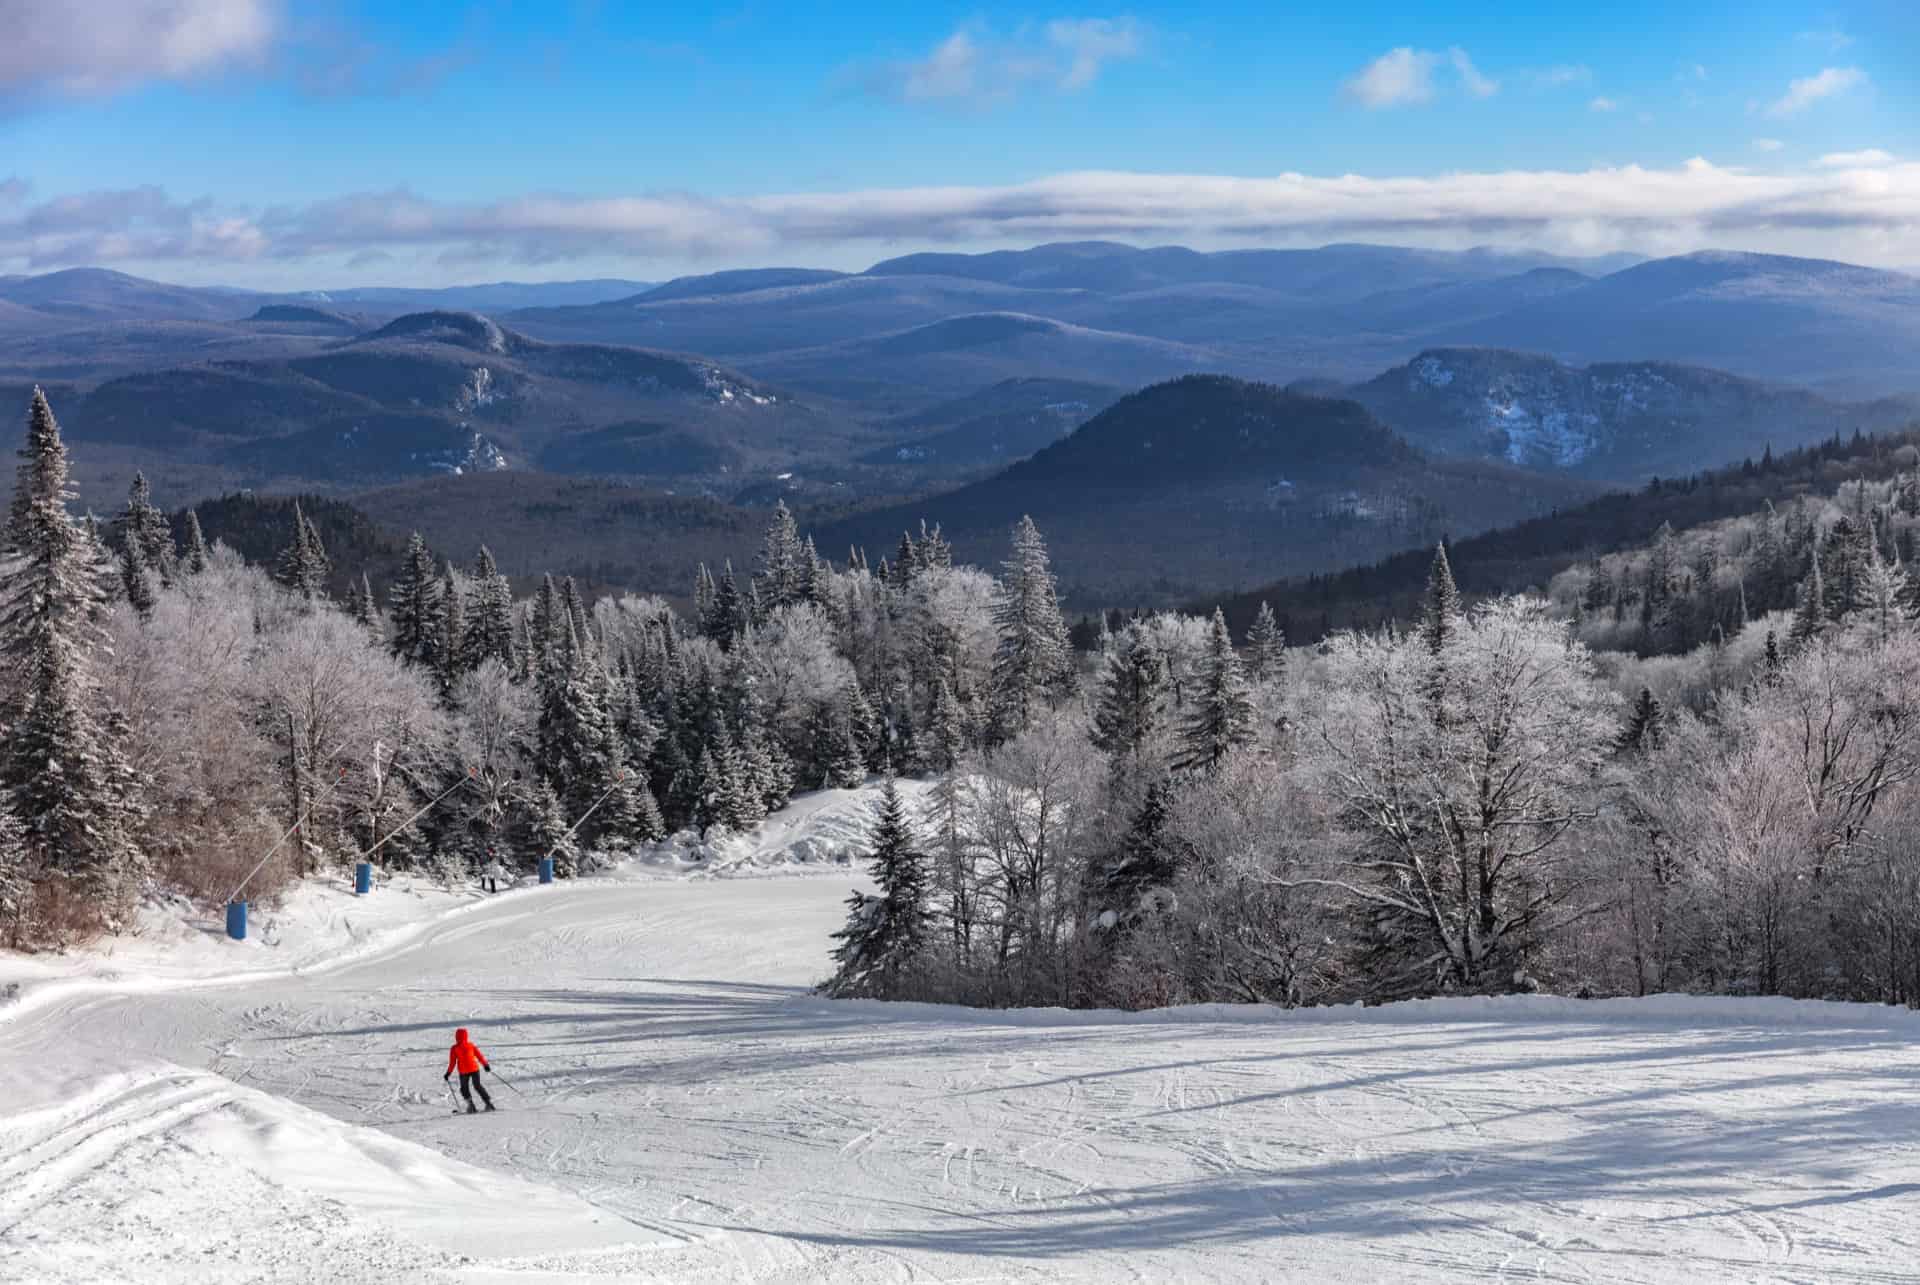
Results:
<point x="1479" y="799"/>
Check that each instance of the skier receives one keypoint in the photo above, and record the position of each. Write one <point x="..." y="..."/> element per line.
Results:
<point x="465" y="1056"/>
<point x="494" y="873"/>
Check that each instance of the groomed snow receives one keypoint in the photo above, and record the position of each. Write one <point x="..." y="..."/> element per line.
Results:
<point x="687" y="1111"/>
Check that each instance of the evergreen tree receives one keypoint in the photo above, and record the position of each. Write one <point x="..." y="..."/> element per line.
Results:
<point x="1440" y="609"/>
<point x="945" y="737"/>
<point x="1846" y="558"/>
<point x="544" y="630"/>
<point x="414" y="604"/>
<point x="1033" y="661"/>
<point x="16" y="878"/>
<point x="1132" y="696"/>
<point x="449" y="636"/>
<point x="1221" y="715"/>
<point x="1809" y="616"/>
<point x="1885" y="594"/>
<point x="197" y="555"/>
<point x="489" y="617"/>
<point x="1143" y="862"/>
<point x="864" y="725"/>
<point x="362" y="606"/>
<point x="304" y="567"/>
<point x="1267" y="648"/>
<point x="1643" y="723"/>
<point x="70" y="784"/>
<point x="1774" y="662"/>
<point x="147" y="526"/>
<point x="885" y="937"/>
<point x="134" y="578"/>
<point x="786" y="571"/>
<point x="548" y="831"/>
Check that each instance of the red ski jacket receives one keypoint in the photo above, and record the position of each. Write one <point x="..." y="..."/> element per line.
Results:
<point x="465" y="1056"/>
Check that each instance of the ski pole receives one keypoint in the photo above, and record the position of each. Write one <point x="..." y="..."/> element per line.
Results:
<point x="504" y="1080"/>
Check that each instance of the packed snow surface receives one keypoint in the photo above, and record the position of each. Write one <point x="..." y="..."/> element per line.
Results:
<point x="683" y="1109"/>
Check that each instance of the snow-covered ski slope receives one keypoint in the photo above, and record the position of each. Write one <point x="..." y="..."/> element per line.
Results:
<point x="689" y="1112"/>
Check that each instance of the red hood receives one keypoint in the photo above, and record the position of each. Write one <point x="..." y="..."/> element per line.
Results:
<point x="460" y="1036"/>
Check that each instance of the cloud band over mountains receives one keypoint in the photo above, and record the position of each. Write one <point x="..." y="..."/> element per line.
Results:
<point x="1869" y="212"/>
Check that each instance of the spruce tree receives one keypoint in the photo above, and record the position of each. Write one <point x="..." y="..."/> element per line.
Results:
<point x="1643" y="723"/>
<point x="885" y="937"/>
<point x="1132" y="696"/>
<point x="786" y="571"/>
<point x="147" y="526"/>
<point x="196" y="557"/>
<point x="134" y="579"/>
<point x="489" y="622"/>
<point x="304" y="566"/>
<point x="414" y="604"/>
<point x="1809" y="616"/>
<point x="362" y="606"/>
<point x="1143" y="862"/>
<point x="864" y="725"/>
<point x="69" y="783"/>
<point x="1267" y="648"/>
<point x="548" y="831"/>
<point x="1033" y="661"/>
<point x="1440" y="609"/>
<point x="1220" y="718"/>
<point x="16" y="878"/>
<point x="449" y="637"/>
<point x="944" y="739"/>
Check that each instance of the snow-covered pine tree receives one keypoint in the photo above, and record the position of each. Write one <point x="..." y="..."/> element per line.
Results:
<point x="303" y="564"/>
<point x="449" y="636"/>
<point x="196" y="555"/>
<point x="575" y="606"/>
<point x="1033" y="661"/>
<point x="944" y="739"/>
<point x="1809" y="615"/>
<point x="548" y="831"/>
<point x="1132" y="695"/>
<point x="869" y="736"/>
<point x="1644" y="723"/>
<point x="16" y="878"/>
<point x="1143" y="862"/>
<point x="713" y="791"/>
<point x="1267" y="649"/>
<point x="1440" y="609"/>
<point x="728" y="613"/>
<point x="134" y="578"/>
<point x="362" y="606"/>
<point x="489" y="625"/>
<point x="148" y="526"/>
<point x="1220" y="715"/>
<point x="69" y="782"/>
<point x="414" y="604"/>
<point x="885" y="937"/>
<point x="544" y="627"/>
<point x="785" y="572"/>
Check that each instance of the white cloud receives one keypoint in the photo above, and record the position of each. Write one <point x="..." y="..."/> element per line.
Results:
<point x="1394" y="79"/>
<point x="1867" y="158"/>
<point x="1090" y="43"/>
<point x="1867" y="214"/>
<point x="1805" y="92"/>
<point x="75" y="47"/>
<point x="1603" y="104"/>
<point x="1476" y="84"/>
<point x="973" y="67"/>
<point x="1404" y="77"/>
<point x="1767" y="144"/>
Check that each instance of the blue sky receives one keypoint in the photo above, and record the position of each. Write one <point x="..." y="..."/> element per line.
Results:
<point x="331" y="142"/>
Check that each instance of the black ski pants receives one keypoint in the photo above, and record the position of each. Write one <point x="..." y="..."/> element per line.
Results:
<point x="469" y="1081"/>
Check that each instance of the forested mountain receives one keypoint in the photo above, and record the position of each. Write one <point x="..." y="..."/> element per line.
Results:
<point x="1531" y="555"/>
<point x="1622" y="422"/>
<point x="1214" y="481"/>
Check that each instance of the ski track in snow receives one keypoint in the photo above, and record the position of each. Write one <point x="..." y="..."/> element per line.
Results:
<point x="688" y="1111"/>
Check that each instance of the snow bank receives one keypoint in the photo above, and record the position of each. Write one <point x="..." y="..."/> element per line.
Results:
<point x="320" y="925"/>
<point x="277" y="1190"/>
